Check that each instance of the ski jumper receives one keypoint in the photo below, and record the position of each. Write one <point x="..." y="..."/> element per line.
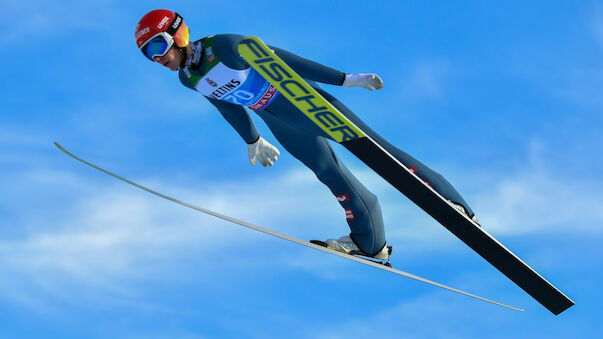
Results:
<point x="217" y="71"/>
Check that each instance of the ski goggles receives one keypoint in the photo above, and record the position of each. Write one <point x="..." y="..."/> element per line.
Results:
<point x="157" y="46"/>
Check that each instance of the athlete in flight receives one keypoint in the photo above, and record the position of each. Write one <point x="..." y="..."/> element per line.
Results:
<point x="213" y="67"/>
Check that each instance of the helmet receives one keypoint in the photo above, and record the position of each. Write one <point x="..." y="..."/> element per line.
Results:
<point x="158" y="30"/>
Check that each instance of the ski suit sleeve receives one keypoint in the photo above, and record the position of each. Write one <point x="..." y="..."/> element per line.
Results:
<point x="235" y="115"/>
<point x="309" y="69"/>
<point x="226" y="46"/>
<point x="238" y="118"/>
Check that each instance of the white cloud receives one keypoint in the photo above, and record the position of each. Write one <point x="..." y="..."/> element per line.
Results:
<point x="102" y="236"/>
<point x="423" y="80"/>
<point x="538" y="196"/>
<point x="108" y="236"/>
<point x="414" y="312"/>
<point x="434" y="315"/>
<point x="537" y="201"/>
<point x="106" y="242"/>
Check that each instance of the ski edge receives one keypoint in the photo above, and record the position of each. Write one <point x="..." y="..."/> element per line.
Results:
<point x="284" y="236"/>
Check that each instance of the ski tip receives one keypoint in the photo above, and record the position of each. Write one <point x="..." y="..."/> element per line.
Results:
<point x="57" y="145"/>
<point x="61" y="148"/>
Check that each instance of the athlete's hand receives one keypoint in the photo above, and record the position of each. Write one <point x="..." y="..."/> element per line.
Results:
<point x="263" y="151"/>
<point x="366" y="80"/>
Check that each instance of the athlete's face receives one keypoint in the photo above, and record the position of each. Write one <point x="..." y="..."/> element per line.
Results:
<point x="171" y="59"/>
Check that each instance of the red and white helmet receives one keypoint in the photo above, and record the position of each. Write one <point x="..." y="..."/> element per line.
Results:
<point x="158" y="30"/>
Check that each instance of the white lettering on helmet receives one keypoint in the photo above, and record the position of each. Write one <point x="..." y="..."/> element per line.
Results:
<point x="163" y="22"/>
<point x="142" y="32"/>
<point x="176" y="23"/>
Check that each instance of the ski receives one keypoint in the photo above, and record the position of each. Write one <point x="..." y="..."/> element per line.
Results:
<point x="342" y="130"/>
<point x="283" y="236"/>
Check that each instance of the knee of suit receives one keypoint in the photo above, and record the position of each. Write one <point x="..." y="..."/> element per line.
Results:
<point x="327" y="174"/>
<point x="438" y="179"/>
<point x="372" y="204"/>
<point x="341" y="184"/>
<point x="371" y="201"/>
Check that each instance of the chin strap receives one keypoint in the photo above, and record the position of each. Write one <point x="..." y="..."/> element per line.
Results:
<point x="184" y="57"/>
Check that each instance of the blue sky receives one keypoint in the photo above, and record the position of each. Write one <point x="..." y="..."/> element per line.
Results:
<point x="503" y="99"/>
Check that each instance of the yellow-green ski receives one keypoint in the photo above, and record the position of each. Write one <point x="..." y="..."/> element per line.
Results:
<point x="296" y="90"/>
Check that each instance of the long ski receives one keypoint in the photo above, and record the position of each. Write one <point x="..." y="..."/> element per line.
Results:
<point x="342" y="130"/>
<point x="283" y="236"/>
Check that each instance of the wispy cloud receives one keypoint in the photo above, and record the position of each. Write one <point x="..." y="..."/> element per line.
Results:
<point x="538" y="196"/>
<point x="108" y="236"/>
<point x="434" y="315"/>
<point x="425" y="79"/>
<point x="105" y="243"/>
<point x="103" y="235"/>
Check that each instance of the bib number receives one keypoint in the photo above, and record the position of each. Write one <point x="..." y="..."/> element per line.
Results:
<point x="238" y="95"/>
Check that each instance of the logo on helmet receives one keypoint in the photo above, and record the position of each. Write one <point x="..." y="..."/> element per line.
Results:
<point x="163" y="22"/>
<point x="142" y="32"/>
<point x="177" y="23"/>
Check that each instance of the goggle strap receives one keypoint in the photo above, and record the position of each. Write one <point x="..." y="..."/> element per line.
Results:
<point x="174" y="25"/>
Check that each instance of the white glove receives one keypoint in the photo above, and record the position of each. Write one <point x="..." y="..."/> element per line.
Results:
<point x="366" y="80"/>
<point x="264" y="151"/>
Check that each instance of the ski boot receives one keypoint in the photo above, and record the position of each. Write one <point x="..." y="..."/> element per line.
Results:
<point x="462" y="209"/>
<point x="346" y="245"/>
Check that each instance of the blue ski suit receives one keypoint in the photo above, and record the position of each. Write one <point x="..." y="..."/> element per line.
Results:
<point x="218" y="72"/>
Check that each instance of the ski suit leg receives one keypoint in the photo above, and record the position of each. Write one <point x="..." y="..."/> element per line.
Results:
<point x="363" y="212"/>
<point x="434" y="179"/>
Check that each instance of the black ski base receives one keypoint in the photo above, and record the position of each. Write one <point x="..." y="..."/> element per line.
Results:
<point x="463" y="228"/>
<point x="362" y="255"/>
